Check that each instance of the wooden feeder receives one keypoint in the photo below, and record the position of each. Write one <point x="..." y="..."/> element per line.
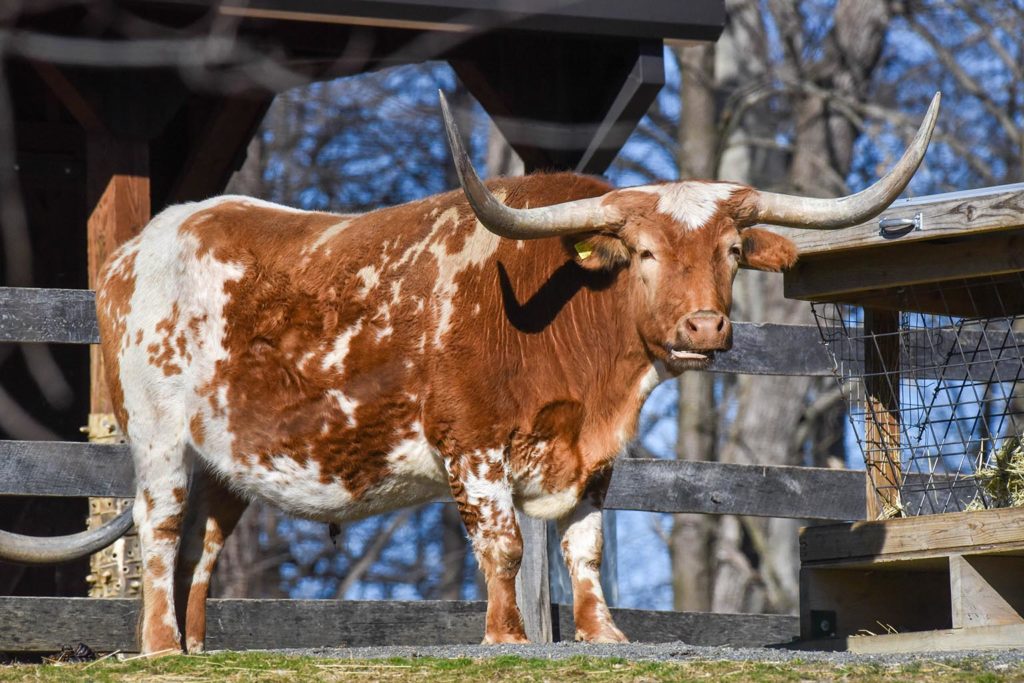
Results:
<point x="922" y="310"/>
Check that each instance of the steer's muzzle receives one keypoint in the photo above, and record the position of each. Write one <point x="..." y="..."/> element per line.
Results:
<point x="706" y="331"/>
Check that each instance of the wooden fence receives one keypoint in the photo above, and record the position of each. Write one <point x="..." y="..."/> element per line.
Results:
<point x="87" y="469"/>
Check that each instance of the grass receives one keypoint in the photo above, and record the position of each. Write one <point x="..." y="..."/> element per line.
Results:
<point x="250" y="666"/>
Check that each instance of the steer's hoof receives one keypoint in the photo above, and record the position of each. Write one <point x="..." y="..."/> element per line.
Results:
<point x="505" y="639"/>
<point x="608" y="634"/>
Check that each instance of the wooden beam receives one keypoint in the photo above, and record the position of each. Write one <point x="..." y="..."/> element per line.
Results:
<point x="770" y="349"/>
<point x="955" y="214"/>
<point x="63" y="316"/>
<point x="68" y="469"/>
<point x="926" y="536"/>
<point x="117" y="187"/>
<point x="218" y="147"/>
<point x="552" y="123"/>
<point x="65" y="469"/>
<point x="118" y="197"/>
<point x="882" y="451"/>
<point x="639" y="89"/>
<point x="986" y="297"/>
<point x="945" y="640"/>
<point x="68" y="316"/>
<point x="986" y="590"/>
<point x="45" y="624"/>
<point x="695" y="628"/>
<point x="532" y="590"/>
<point x="693" y="20"/>
<point x="837" y="276"/>
<point x="720" y="488"/>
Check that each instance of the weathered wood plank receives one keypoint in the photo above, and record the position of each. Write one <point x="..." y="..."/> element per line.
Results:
<point x="33" y="624"/>
<point x="44" y="624"/>
<point x="47" y="468"/>
<point x="533" y="594"/>
<point x="719" y="488"/>
<point x="986" y="590"/>
<point x="946" y="640"/>
<point x="65" y="316"/>
<point x="69" y="316"/>
<point x="768" y="349"/>
<point x="914" y="537"/>
<point x="695" y="628"/>
<point x="841" y="275"/>
<point x="956" y="213"/>
<point x="882" y="413"/>
<point x="987" y="297"/>
<point x="62" y="468"/>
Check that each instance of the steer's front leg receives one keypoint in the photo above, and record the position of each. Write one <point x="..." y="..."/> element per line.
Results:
<point x="582" y="542"/>
<point x="479" y="483"/>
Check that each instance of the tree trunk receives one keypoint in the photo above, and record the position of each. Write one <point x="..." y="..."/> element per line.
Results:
<point x="691" y="535"/>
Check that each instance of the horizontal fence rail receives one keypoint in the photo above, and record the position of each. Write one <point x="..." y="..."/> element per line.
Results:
<point x="68" y="316"/>
<point x="62" y="316"/>
<point x="721" y="488"/>
<point x="109" y="624"/>
<point x="60" y="468"/>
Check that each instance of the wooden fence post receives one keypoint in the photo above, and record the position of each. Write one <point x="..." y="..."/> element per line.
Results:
<point x="532" y="590"/>
<point x="117" y="183"/>
<point x="882" y="413"/>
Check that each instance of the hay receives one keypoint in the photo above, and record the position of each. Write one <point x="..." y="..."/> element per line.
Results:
<point x="1001" y="479"/>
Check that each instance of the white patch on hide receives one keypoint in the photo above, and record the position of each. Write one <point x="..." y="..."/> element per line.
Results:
<point x="369" y="278"/>
<point x="345" y="404"/>
<point x="690" y="203"/>
<point x="339" y="351"/>
<point x="479" y="246"/>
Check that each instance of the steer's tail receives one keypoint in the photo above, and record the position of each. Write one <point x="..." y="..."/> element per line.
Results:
<point x="57" y="549"/>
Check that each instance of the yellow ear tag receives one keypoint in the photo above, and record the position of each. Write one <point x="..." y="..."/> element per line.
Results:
<point x="584" y="249"/>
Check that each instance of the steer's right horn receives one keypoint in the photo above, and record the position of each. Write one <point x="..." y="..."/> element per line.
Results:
<point x="582" y="215"/>
<point x="828" y="214"/>
<point x="57" y="549"/>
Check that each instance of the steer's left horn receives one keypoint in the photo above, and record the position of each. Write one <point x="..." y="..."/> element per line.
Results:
<point x="828" y="214"/>
<point x="582" y="215"/>
<point x="56" y="549"/>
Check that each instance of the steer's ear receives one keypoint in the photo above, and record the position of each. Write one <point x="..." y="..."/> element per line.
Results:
<point x="764" y="250"/>
<point x="598" y="251"/>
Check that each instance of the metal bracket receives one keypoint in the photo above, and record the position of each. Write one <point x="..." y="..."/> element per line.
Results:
<point x="823" y="623"/>
<point x="898" y="227"/>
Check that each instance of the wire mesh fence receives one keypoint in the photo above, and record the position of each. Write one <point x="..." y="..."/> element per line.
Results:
<point x="934" y="399"/>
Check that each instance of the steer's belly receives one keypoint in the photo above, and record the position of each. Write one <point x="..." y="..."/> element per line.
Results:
<point x="410" y="474"/>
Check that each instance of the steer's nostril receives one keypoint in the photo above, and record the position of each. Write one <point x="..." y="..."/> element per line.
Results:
<point x="721" y="323"/>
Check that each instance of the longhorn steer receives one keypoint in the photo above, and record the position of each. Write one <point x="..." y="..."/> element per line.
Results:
<point x="342" y="366"/>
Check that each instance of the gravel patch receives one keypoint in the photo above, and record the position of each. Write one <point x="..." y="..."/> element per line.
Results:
<point x="677" y="651"/>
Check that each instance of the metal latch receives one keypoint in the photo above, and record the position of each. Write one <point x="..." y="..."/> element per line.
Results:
<point x="897" y="227"/>
<point x="823" y="623"/>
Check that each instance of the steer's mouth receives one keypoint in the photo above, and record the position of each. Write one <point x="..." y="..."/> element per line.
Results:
<point x="684" y="359"/>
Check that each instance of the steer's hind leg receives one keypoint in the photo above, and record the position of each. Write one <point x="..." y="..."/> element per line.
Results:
<point x="212" y="515"/>
<point x="582" y="542"/>
<point x="161" y="472"/>
<point x="480" y="485"/>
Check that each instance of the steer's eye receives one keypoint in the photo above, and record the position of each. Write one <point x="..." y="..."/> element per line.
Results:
<point x="736" y="251"/>
<point x="646" y="254"/>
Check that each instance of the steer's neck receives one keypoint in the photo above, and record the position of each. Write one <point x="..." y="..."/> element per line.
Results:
<point x="576" y="331"/>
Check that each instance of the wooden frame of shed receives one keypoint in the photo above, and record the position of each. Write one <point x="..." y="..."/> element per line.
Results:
<point x="939" y="582"/>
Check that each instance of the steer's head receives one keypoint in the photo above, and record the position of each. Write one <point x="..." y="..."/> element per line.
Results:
<point x="684" y="241"/>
